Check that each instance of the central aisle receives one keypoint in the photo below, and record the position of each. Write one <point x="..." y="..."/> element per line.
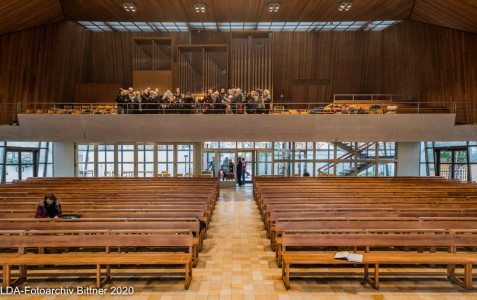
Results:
<point x="236" y="258"/>
<point x="237" y="262"/>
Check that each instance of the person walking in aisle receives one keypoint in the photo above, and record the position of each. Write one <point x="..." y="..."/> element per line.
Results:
<point x="239" y="171"/>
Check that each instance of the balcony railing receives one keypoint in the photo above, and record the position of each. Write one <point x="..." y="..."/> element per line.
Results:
<point x="465" y="111"/>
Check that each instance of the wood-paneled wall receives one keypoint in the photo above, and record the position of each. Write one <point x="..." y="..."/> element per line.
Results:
<point x="96" y="92"/>
<point x="112" y="52"/>
<point x="42" y="64"/>
<point x="430" y="63"/>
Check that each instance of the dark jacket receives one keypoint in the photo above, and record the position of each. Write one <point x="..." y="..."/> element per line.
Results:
<point x="41" y="210"/>
<point x="239" y="168"/>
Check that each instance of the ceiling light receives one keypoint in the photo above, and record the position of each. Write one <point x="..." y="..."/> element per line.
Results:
<point x="129" y="6"/>
<point x="273" y="7"/>
<point x="344" y="6"/>
<point x="199" y="7"/>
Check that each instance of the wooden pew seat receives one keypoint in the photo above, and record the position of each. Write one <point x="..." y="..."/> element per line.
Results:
<point x="376" y="259"/>
<point x="97" y="259"/>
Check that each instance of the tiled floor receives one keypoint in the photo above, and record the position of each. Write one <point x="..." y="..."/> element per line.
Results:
<point x="237" y="263"/>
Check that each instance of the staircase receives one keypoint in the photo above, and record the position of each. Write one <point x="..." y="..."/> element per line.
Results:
<point x="347" y="169"/>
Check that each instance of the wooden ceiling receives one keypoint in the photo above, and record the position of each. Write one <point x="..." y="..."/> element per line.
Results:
<point x="20" y="14"/>
<point x="17" y="15"/>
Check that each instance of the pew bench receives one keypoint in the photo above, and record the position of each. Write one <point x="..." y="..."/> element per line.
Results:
<point x="97" y="259"/>
<point x="295" y="244"/>
<point x="376" y="259"/>
<point x="176" y="251"/>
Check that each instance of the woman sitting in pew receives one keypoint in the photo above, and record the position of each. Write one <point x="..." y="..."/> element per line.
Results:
<point x="49" y="207"/>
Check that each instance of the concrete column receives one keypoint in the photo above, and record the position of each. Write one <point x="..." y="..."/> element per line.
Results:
<point x="63" y="159"/>
<point x="408" y="159"/>
<point x="197" y="158"/>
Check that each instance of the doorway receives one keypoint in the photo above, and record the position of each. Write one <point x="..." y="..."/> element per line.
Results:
<point x="20" y="164"/>
<point x="452" y="163"/>
<point x="217" y="163"/>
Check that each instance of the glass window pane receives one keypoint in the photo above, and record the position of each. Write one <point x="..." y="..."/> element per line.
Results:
<point x="24" y="144"/>
<point x="105" y="169"/>
<point x="208" y="162"/>
<point x="366" y="169"/>
<point x="325" y="150"/>
<point x="302" y="167"/>
<point x="185" y="153"/>
<point x="263" y="145"/>
<point x="472" y="154"/>
<point x="85" y="153"/>
<point x="345" y="168"/>
<point x="283" y="151"/>
<point x="43" y="155"/>
<point x="303" y="151"/>
<point x="211" y="145"/>
<point x="283" y="168"/>
<point x="2" y="153"/>
<point x="473" y="172"/>
<point x="227" y="145"/>
<point x="387" y="169"/>
<point x="264" y="163"/>
<point x="368" y="151"/>
<point x="184" y="168"/>
<point x="245" y="145"/>
<point x="165" y="153"/>
<point x="165" y="168"/>
<point x="422" y="155"/>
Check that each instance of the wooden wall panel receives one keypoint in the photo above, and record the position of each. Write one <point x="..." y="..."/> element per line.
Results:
<point x="433" y="64"/>
<point x="153" y="79"/>
<point x="428" y="62"/>
<point x="348" y="62"/>
<point x="112" y="52"/>
<point x="96" y="92"/>
<point x="43" y="64"/>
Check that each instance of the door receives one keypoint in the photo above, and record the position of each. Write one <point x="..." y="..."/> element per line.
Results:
<point x="209" y="162"/>
<point x="452" y="163"/>
<point x="249" y="164"/>
<point x="20" y="164"/>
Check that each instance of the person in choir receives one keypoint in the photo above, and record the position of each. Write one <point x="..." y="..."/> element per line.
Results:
<point x="250" y="106"/>
<point x="267" y="99"/>
<point x="131" y="94"/>
<point x="235" y="101"/>
<point x="188" y="104"/>
<point x="153" y="103"/>
<point x="178" y="97"/>
<point x="218" y="106"/>
<point x="223" y="94"/>
<point x="137" y="103"/>
<point x="260" y="106"/>
<point x="241" y="102"/>
<point x="119" y="101"/>
<point x="49" y="207"/>
<point x="229" y="99"/>
<point x="167" y="101"/>
<point x="208" y="102"/>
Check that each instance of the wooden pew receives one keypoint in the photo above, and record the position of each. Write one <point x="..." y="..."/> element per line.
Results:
<point x="103" y="239"/>
<point x="386" y="238"/>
